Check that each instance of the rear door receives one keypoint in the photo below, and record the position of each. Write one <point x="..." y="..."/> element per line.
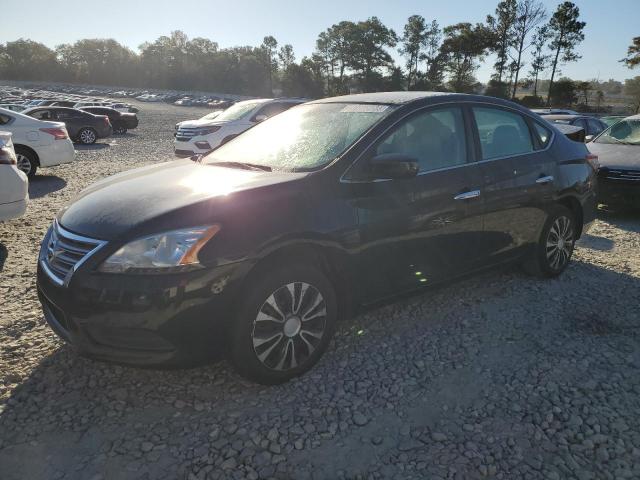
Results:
<point x="518" y="176"/>
<point x="420" y="230"/>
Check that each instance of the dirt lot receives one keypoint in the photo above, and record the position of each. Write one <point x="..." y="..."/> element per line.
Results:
<point x="499" y="376"/>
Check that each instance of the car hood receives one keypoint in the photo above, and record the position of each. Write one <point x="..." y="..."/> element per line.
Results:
<point x="182" y="192"/>
<point x="202" y="123"/>
<point x="614" y="156"/>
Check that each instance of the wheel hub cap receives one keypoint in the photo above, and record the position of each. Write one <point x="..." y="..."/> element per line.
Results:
<point x="292" y="327"/>
<point x="560" y="243"/>
<point x="289" y="326"/>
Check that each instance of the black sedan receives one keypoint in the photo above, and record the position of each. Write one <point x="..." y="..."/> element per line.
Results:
<point x="591" y="125"/>
<point x="618" y="149"/>
<point x="83" y="127"/>
<point x="257" y="249"/>
<point x="121" y="121"/>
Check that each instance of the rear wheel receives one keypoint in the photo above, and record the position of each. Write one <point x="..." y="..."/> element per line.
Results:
<point x="552" y="254"/>
<point x="87" y="136"/>
<point x="120" y="130"/>
<point x="284" y="325"/>
<point x="26" y="161"/>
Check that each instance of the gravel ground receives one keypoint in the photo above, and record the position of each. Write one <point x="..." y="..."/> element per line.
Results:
<point x="499" y="376"/>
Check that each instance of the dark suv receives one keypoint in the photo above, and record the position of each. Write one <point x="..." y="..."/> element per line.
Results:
<point x="83" y="127"/>
<point x="121" y="121"/>
<point x="258" y="248"/>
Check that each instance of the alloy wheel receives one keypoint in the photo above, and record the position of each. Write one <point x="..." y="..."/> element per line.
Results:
<point x="560" y="243"/>
<point x="289" y="326"/>
<point x="87" y="136"/>
<point x="23" y="163"/>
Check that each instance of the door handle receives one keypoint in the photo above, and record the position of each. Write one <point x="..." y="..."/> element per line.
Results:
<point x="467" y="195"/>
<point x="545" y="180"/>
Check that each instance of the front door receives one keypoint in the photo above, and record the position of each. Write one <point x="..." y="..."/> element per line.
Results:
<point x="418" y="231"/>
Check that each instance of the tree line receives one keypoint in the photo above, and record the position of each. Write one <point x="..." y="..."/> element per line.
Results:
<point x="348" y="56"/>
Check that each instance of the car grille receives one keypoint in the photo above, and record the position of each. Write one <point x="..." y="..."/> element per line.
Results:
<point x="64" y="252"/>
<point x="184" y="134"/>
<point x="621" y="175"/>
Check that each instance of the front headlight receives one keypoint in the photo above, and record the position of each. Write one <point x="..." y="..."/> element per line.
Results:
<point x="172" y="251"/>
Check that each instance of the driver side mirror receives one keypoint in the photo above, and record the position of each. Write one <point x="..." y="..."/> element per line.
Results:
<point x="260" y="118"/>
<point x="393" y="165"/>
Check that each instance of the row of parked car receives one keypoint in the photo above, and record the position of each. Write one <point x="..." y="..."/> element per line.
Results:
<point x="44" y="129"/>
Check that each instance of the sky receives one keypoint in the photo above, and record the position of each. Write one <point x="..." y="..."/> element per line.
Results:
<point x="608" y="33"/>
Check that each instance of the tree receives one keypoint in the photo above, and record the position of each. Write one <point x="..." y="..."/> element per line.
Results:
<point x="566" y="33"/>
<point x="633" y="54"/>
<point x="414" y="40"/>
<point x="584" y="89"/>
<point x="302" y="80"/>
<point x="563" y="92"/>
<point x="496" y="88"/>
<point x="368" y="51"/>
<point x="463" y="46"/>
<point x="269" y="46"/>
<point x="501" y="28"/>
<point x="539" y="61"/>
<point x="599" y="100"/>
<point x="529" y="14"/>
<point x="334" y="50"/>
<point x="435" y="60"/>
<point x="632" y="89"/>
<point x="286" y="56"/>
<point x="27" y="60"/>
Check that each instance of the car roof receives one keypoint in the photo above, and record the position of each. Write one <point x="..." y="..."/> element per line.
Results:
<point x="633" y="117"/>
<point x="390" y="98"/>
<point x="565" y="117"/>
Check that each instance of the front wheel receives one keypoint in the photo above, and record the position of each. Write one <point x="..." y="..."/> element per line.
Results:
<point x="552" y="254"/>
<point x="284" y="325"/>
<point x="87" y="136"/>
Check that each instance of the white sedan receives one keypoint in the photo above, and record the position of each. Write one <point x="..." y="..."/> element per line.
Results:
<point x="37" y="143"/>
<point x="14" y="186"/>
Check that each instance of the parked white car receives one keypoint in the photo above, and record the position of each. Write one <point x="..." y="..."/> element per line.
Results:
<point x="37" y="143"/>
<point x="204" y="135"/>
<point x="14" y="186"/>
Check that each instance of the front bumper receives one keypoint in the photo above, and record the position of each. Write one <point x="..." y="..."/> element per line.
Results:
<point x="155" y="320"/>
<point x="618" y="193"/>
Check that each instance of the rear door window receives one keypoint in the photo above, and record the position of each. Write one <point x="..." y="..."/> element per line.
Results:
<point x="42" y="115"/>
<point x="543" y="134"/>
<point x="502" y="133"/>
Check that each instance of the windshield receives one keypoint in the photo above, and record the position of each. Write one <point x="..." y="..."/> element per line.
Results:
<point x="626" y="132"/>
<point x="238" y="111"/>
<point x="303" y="138"/>
<point x="212" y="115"/>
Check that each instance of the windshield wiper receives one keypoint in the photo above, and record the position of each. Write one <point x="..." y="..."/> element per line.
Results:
<point x="243" y="165"/>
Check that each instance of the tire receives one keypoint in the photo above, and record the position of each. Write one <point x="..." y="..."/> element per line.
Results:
<point x="87" y="136"/>
<point x="552" y="254"/>
<point x="271" y="341"/>
<point x="119" y="130"/>
<point x="27" y="161"/>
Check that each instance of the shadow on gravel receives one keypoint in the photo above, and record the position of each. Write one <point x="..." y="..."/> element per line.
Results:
<point x="95" y="146"/>
<point x="4" y="253"/>
<point x="625" y="219"/>
<point x="41" y="185"/>
<point x="595" y="242"/>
